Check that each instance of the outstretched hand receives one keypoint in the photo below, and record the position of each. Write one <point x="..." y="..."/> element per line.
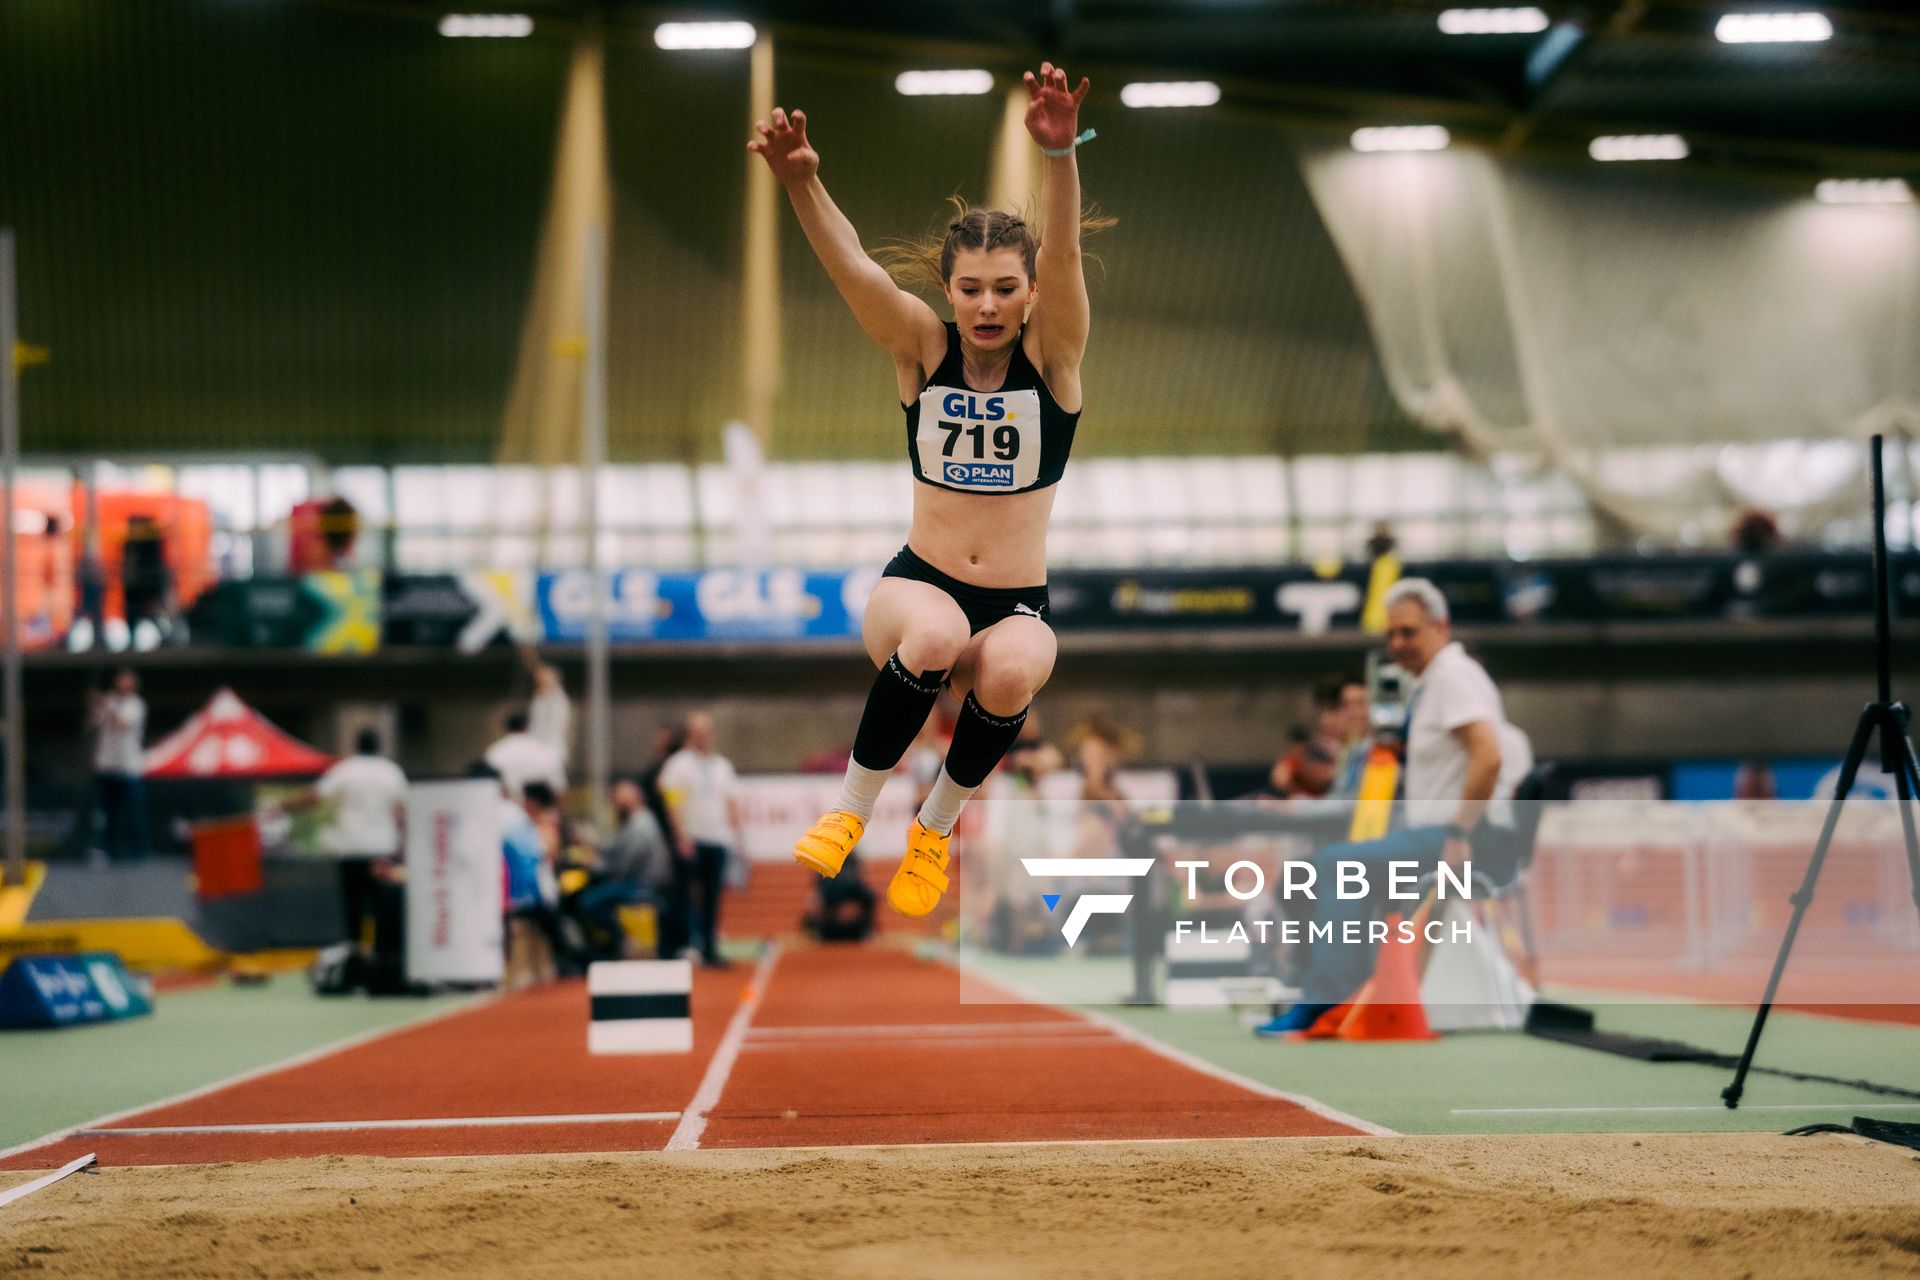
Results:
<point x="1053" y="111"/>
<point x="784" y="146"/>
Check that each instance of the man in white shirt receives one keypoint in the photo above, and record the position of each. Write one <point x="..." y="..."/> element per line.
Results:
<point x="119" y="722"/>
<point x="1458" y="744"/>
<point x="699" y="786"/>
<point x="519" y="758"/>
<point x="365" y="796"/>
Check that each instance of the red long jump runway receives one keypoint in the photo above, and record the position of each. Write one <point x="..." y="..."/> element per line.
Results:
<point x="844" y="1046"/>
<point x="873" y="1045"/>
<point x="521" y="1057"/>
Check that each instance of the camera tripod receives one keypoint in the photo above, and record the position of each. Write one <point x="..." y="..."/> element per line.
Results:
<point x="1883" y="719"/>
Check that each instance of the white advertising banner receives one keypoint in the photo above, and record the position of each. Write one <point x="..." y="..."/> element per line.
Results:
<point x="454" y="888"/>
<point x="776" y="808"/>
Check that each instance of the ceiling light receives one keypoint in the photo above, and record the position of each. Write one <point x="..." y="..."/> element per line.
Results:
<point x="1492" y="22"/>
<point x="1170" y="93"/>
<point x="924" y="83"/>
<point x="1401" y="137"/>
<point x="1639" y="146"/>
<point x="1773" y="28"/>
<point x="497" y="25"/>
<point x="1863" y="191"/>
<point x="704" y="35"/>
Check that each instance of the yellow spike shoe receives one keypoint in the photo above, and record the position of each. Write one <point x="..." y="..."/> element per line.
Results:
<point x="824" y="849"/>
<point x="916" y="887"/>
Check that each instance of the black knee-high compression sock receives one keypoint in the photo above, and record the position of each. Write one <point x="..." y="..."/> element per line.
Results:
<point x="896" y="709"/>
<point x="980" y="738"/>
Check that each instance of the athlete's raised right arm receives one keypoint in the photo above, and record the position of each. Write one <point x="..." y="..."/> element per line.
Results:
<point x="892" y="317"/>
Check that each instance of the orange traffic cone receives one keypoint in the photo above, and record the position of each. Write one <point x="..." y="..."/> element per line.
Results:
<point x="1327" y="1025"/>
<point x="1389" y="1007"/>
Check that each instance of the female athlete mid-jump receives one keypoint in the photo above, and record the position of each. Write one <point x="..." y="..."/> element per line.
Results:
<point x="991" y="401"/>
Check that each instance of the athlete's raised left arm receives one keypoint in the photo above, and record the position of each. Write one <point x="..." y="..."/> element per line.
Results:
<point x="1060" y="311"/>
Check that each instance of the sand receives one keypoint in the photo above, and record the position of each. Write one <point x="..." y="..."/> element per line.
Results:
<point x="1565" y="1206"/>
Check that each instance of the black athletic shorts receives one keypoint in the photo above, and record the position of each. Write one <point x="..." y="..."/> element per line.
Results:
<point x="983" y="606"/>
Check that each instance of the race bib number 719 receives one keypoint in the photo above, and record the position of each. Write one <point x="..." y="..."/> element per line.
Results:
<point x="984" y="442"/>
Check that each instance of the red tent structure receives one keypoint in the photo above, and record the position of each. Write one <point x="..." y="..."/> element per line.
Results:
<point x="227" y="739"/>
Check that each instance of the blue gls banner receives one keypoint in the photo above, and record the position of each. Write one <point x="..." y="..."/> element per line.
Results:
<point x="564" y="603"/>
<point x="719" y="604"/>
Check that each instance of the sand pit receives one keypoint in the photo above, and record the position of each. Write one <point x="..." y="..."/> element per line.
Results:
<point x="1589" y="1205"/>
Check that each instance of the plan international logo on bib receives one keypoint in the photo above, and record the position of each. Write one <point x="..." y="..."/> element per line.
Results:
<point x="995" y="474"/>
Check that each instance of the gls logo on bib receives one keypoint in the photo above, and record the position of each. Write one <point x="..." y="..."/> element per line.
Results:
<point x="979" y="442"/>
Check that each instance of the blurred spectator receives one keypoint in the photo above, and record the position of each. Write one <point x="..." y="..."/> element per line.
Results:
<point x="90" y="596"/>
<point x="339" y="530"/>
<point x="582" y="938"/>
<point x="1755" y="780"/>
<point x="146" y="584"/>
<point x="531" y="845"/>
<point x="366" y="796"/>
<point x="843" y="906"/>
<point x="322" y="533"/>
<point x="667" y="740"/>
<point x="1382" y="572"/>
<point x="1307" y="769"/>
<point x="1463" y="761"/>
<point x="699" y="785"/>
<point x="520" y="758"/>
<point x="119" y="722"/>
<point x="638" y="849"/>
<point x="549" y="712"/>
<point x="1756" y="532"/>
<point x="1099" y="745"/>
<point x="675" y="928"/>
<point x="1031" y="760"/>
<point x="1279" y="783"/>
<point x="635" y="868"/>
<point x="1341" y="715"/>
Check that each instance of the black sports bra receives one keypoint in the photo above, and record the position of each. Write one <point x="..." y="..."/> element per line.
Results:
<point x="1008" y="441"/>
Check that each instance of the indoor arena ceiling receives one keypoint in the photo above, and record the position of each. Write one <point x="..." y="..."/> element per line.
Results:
<point x="1639" y="66"/>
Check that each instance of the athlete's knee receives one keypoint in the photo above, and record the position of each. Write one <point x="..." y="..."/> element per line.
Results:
<point x="1007" y="681"/>
<point x="933" y="643"/>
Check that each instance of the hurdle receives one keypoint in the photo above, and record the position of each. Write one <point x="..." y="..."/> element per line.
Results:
<point x="640" y="1006"/>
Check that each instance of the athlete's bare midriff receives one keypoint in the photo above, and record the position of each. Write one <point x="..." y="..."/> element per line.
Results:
<point x="985" y="540"/>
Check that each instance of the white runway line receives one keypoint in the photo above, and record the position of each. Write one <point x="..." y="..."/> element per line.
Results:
<point x="349" y="1126"/>
<point x="1053" y="1026"/>
<point x="254" y="1073"/>
<point x="693" y="1122"/>
<point x="1865" y="1104"/>
<point x="1094" y="1037"/>
<point x="1190" y="1061"/>
<point x="26" y="1189"/>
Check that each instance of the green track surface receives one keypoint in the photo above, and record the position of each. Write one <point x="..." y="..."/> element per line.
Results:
<point x="59" y="1078"/>
<point x="1452" y="1084"/>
